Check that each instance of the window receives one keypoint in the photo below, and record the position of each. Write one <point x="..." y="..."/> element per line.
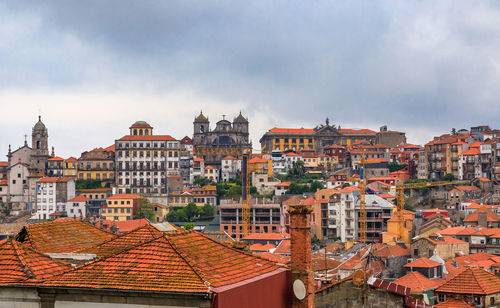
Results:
<point x="415" y="252"/>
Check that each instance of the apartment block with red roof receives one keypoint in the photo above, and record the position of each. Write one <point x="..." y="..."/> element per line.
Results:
<point x="77" y="206"/>
<point x="444" y="246"/>
<point x="52" y="196"/>
<point x="342" y="220"/>
<point x="441" y="155"/>
<point x="144" y="161"/>
<point x="97" y="164"/>
<point x="120" y="207"/>
<point x="230" y="168"/>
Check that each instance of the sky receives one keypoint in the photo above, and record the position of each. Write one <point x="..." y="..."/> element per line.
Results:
<point x="92" y="68"/>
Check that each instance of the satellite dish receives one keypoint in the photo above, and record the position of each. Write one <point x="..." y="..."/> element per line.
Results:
<point x="299" y="289"/>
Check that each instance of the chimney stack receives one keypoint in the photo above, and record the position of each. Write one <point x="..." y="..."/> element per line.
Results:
<point x="301" y="255"/>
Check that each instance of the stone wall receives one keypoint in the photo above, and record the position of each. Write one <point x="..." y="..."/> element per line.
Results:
<point x="348" y="295"/>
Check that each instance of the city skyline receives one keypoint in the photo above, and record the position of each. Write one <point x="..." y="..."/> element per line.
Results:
<point x="91" y="70"/>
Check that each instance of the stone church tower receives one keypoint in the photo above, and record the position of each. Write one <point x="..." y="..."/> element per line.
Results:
<point x="40" y="147"/>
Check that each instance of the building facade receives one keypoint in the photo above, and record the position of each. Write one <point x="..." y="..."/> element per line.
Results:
<point x="53" y="194"/>
<point x="227" y="138"/>
<point x="97" y="164"/>
<point x="144" y="161"/>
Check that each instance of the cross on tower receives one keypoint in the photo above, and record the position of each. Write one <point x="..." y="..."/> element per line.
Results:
<point x="223" y="117"/>
<point x="25" y="139"/>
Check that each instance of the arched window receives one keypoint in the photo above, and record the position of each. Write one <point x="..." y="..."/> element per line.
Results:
<point x="135" y="131"/>
<point x="38" y="144"/>
<point x="202" y="129"/>
<point x="140" y="132"/>
<point x="146" y="132"/>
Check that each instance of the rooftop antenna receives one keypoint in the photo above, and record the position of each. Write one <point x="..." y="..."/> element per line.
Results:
<point x="25" y="139"/>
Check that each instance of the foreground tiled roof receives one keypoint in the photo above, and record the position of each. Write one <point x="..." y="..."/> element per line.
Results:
<point x="62" y="236"/>
<point x="129" y="225"/>
<point x="472" y="281"/>
<point x="125" y="241"/>
<point x="267" y="236"/>
<point x="418" y="282"/>
<point x="186" y="262"/>
<point x="20" y="264"/>
<point x="453" y="303"/>
<point x="392" y="251"/>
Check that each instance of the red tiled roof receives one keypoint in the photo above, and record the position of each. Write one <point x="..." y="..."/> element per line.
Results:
<point x="445" y="240"/>
<point x="182" y="262"/>
<point x="284" y="184"/>
<point x="3" y="183"/>
<point x="111" y="148"/>
<point x="273" y="257"/>
<point x="198" y="159"/>
<point x="129" y="225"/>
<point x="56" y="158"/>
<point x="475" y="144"/>
<point x="467" y="188"/>
<point x="356" y="131"/>
<point x="320" y="263"/>
<point x="267" y="236"/>
<point x="36" y="175"/>
<point x="53" y="180"/>
<point x="392" y="251"/>
<point x="472" y="151"/>
<point x="472" y="281"/>
<point x="257" y="160"/>
<point x="140" y="125"/>
<point x="284" y="247"/>
<point x="229" y="157"/>
<point x="147" y="138"/>
<point x="292" y="154"/>
<point x="71" y="160"/>
<point x="125" y="241"/>
<point x="483" y="179"/>
<point x="453" y="303"/>
<point x="418" y="282"/>
<point x="79" y="198"/>
<point x="62" y="236"/>
<point x="352" y="263"/>
<point x="20" y="264"/>
<point x="423" y="263"/>
<point x="349" y="188"/>
<point x="261" y="247"/>
<point x="309" y="201"/>
<point x="4" y="163"/>
<point x="490" y="216"/>
<point x="123" y="196"/>
<point x="292" y="130"/>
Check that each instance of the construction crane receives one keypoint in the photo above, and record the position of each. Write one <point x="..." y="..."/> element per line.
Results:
<point x="245" y="195"/>
<point x="362" y="207"/>
<point x="400" y="198"/>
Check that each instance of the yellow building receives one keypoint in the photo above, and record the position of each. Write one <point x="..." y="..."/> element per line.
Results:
<point x="97" y="164"/>
<point x="70" y="167"/>
<point x="120" y="207"/>
<point x="199" y="195"/>
<point x="260" y="165"/>
<point x="161" y="212"/>
<point x="398" y="231"/>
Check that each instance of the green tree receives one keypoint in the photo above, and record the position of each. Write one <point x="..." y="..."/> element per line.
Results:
<point x="191" y="211"/>
<point x="88" y="184"/>
<point x="207" y="211"/>
<point x="201" y="181"/>
<point x="188" y="226"/>
<point x="449" y="177"/>
<point x="145" y="210"/>
<point x="315" y="185"/>
<point x="234" y="190"/>
<point x="345" y="185"/>
<point x="394" y="166"/>
<point x="409" y="207"/>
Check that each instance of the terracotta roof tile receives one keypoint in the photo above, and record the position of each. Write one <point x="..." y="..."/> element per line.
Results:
<point x="490" y="216"/>
<point x="273" y="257"/>
<point x="444" y="240"/>
<point x="20" y="264"/>
<point x="284" y="247"/>
<point x="124" y="196"/>
<point x="267" y="236"/>
<point x="62" y="236"/>
<point x="418" y="282"/>
<point x="472" y="281"/>
<point x="423" y="263"/>
<point x="125" y="241"/>
<point x="261" y="247"/>
<point x="392" y="251"/>
<point x="79" y="198"/>
<point x="54" y="180"/>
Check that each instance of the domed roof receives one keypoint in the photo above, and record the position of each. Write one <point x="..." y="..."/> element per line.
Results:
<point x="140" y="124"/>
<point x="39" y="125"/>
<point x="240" y="118"/>
<point x="201" y="118"/>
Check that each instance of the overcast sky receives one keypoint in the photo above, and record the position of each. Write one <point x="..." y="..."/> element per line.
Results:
<point x="92" y="68"/>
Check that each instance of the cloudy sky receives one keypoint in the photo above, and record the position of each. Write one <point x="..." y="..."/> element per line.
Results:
<point x="91" y="68"/>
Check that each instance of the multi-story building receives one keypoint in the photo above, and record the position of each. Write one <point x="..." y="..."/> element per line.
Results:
<point x="378" y="212"/>
<point x="77" y="206"/>
<point x="442" y="155"/>
<point x="144" y="161"/>
<point x="55" y="166"/>
<point x="225" y="139"/>
<point x="97" y="164"/>
<point x="389" y="137"/>
<point x="230" y="168"/>
<point x="161" y="211"/>
<point x="53" y="194"/>
<point x="70" y="167"/>
<point x="97" y="197"/>
<point x="211" y="173"/>
<point x="197" y="168"/>
<point x="4" y="166"/>
<point x="198" y="195"/>
<point x="339" y="152"/>
<point x="186" y="158"/>
<point x="260" y="166"/>
<point x="120" y="207"/>
<point x="296" y="139"/>
<point x="265" y="217"/>
<point x="342" y="218"/>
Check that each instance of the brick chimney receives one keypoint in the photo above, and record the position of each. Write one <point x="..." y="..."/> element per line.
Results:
<point x="482" y="218"/>
<point x="300" y="233"/>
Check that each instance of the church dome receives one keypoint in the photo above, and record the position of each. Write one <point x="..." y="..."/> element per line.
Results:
<point x="39" y="125"/>
<point x="140" y="124"/>
<point x="201" y="118"/>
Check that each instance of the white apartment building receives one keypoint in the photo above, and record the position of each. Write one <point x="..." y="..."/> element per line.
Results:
<point x="342" y="213"/>
<point x="144" y="161"/>
<point x="230" y="168"/>
<point x="53" y="194"/>
<point x="77" y="206"/>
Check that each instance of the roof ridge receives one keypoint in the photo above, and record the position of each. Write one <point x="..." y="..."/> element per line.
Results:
<point x="26" y="269"/>
<point x="198" y="272"/>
